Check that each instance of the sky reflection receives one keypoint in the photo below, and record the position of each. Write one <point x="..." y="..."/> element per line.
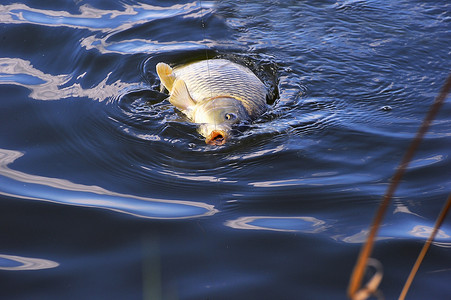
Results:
<point x="106" y="23"/>
<point x="283" y="224"/>
<point x="22" y="185"/>
<point x="322" y="180"/>
<point x="90" y="17"/>
<point x="44" y="86"/>
<point x="425" y="231"/>
<point x="408" y="229"/>
<point x="20" y="263"/>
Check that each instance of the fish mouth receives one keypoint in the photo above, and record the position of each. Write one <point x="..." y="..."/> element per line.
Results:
<point x="216" y="137"/>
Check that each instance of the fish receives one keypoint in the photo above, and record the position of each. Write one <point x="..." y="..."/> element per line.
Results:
<point x="215" y="93"/>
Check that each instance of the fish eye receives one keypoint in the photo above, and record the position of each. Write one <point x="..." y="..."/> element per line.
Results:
<point x="230" y="116"/>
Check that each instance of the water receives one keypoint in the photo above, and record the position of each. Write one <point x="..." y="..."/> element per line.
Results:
<point x="108" y="192"/>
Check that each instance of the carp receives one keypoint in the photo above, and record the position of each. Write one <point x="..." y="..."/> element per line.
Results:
<point x="215" y="93"/>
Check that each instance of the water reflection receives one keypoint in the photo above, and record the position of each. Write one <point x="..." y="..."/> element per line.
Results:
<point x="425" y="231"/>
<point x="20" y="263"/>
<point x="358" y="238"/>
<point x="258" y="153"/>
<point x="140" y="46"/>
<point x="404" y="230"/>
<point x="343" y="179"/>
<point x="111" y="22"/>
<point x="195" y="177"/>
<point x="93" y="18"/>
<point x="285" y="224"/>
<point x="19" y="184"/>
<point x="49" y="87"/>
<point x="428" y="161"/>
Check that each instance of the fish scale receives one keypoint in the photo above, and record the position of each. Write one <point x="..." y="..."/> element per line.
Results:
<point x="219" y="77"/>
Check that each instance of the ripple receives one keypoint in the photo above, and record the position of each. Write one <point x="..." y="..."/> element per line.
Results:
<point x="20" y="263"/>
<point x="256" y="153"/>
<point x="403" y="228"/>
<point x="327" y="179"/>
<point x="108" y="25"/>
<point x="282" y="224"/>
<point x="90" y="17"/>
<point x="428" y="161"/>
<point x="423" y="231"/>
<point x="44" y="86"/>
<point x="18" y="184"/>
<point x="359" y="238"/>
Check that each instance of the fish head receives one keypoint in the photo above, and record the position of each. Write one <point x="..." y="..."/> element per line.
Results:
<point x="217" y="117"/>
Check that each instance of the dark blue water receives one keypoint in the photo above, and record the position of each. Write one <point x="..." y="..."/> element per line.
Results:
<point x="107" y="192"/>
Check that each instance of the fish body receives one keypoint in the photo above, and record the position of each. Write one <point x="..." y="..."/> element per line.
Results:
<point x="215" y="93"/>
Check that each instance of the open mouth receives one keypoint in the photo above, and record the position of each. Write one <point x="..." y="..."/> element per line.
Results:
<point x="216" y="137"/>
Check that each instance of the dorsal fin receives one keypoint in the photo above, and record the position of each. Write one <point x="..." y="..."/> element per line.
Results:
<point x="180" y="96"/>
<point x="164" y="71"/>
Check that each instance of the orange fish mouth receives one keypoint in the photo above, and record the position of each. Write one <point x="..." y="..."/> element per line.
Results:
<point x="216" y="137"/>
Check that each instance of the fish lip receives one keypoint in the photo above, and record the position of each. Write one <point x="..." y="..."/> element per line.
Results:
<point x="216" y="137"/>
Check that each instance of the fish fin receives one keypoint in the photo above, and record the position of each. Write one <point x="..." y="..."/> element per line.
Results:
<point x="167" y="79"/>
<point x="180" y="96"/>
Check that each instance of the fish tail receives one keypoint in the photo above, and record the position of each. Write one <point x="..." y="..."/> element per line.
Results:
<point x="164" y="71"/>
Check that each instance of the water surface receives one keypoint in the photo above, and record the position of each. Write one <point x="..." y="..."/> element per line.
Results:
<point x="107" y="191"/>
